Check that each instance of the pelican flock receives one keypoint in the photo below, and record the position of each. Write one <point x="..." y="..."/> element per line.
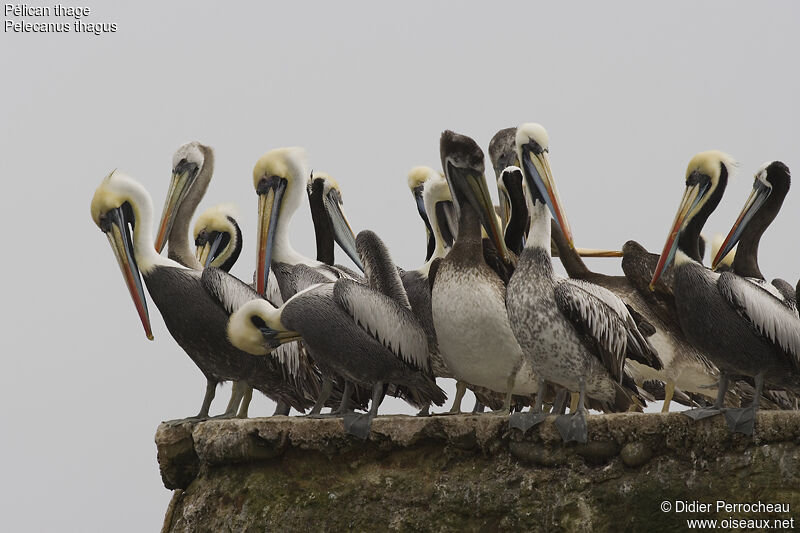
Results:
<point x="486" y="307"/>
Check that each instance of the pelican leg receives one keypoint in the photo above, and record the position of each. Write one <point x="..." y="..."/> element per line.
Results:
<point x="669" y="391"/>
<point x="573" y="401"/>
<point x="237" y="392"/>
<point x="572" y="427"/>
<point x="525" y="421"/>
<point x="344" y="407"/>
<point x="358" y="424"/>
<point x="705" y="412"/>
<point x="324" y="394"/>
<point x="743" y="419"/>
<point x="479" y="407"/>
<point x="461" y="389"/>
<point x="560" y="405"/>
<point x="248" y="396"/>
<point x="282" y="409"/>
<point x="211" y="390"/>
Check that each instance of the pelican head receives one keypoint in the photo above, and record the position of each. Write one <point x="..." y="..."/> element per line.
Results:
<point x="417" y="177"/>
<point x="533" y="145"/>
<point x="117" y="206"/>
<point x="706" y="179"/>
<point x="462" y="161"/>
<point x="503" y="150"/>
<point x="256" y="328"/>
<point x="772" y="177"/>
<point x="331" y="195"/>
<point x="217" y="237"/>
<point x="438" y="200"/>
<point x="278" y="177"/>
<point x="191" y="173"/>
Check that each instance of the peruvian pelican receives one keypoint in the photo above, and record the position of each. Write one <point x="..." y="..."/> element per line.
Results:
<point x="194" y="316"/>
<point x="217" y="237"/>
<point x="280" y="179"/>
<point x="192" y="169"/>
<point x="770" y="186"/>
<point x="468" y="297"/>
<point x="367" y="334"/>
<point x="330" y="222"/>
<point x="573" y="333"/>
<point x="744" y="329"/>
<point x="416" y="183"/>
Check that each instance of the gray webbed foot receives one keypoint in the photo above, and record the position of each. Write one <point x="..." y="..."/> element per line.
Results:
<point x="425" y="411"/>
<point x="572" y="427"/>
<point x="525" y="421"/>
<point x="358" y="424"/>
<point x="702" y="412"/>
<point x="189" y="419"/>
<point x="741" y="420"/>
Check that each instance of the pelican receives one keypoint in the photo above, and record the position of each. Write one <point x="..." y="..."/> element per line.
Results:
<point x="217" y="237"/>
<point x="573" y="333"/>
<point x="416" y="182"/>
<point x="192" y="168"/>
<point x="770" y="186"/>
<point x="367" y="334"/>
<point x="330" y="222"/>
<point x="195" y="318"/>
<point x="468" y="297"/>
<point x="278" y="179"/>
<point x="744" y="329"/>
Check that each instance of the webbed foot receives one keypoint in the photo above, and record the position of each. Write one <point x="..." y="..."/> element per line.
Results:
<point x="572" y="427"/>
<point x="741" y="420"/>
<point x="702" y="412"/>
<point x="525" y="421"/>
<point x="358" y="424"/>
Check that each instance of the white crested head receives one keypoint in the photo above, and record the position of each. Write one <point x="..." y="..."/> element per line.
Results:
<point x="532" y="131"/>
<point x="242" y="331"/>
<point x="216" y="219"/>
<point x="327" y="181"/>
<point x="192" y="152"/>
<point x="287" y="163"/>
<point x="762" y="175"/>
<point x="418" y="175"/>
<point x="710" y="163"/>
<point x="116" y="189"/>
<point x="436" y="190"/>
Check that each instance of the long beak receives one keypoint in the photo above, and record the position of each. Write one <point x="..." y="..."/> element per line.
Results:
<point x="690" y="198"/>
<point x="757" y="197"/>
<point x="182" y="177"/>
<point x="122" y="244"/>
<point x="473" y="188"/>
<point x="342" y="232"/>
<point x="505" y="207"/>
<point x="208" y="252"/>
<point x="269" y="206"/>
<point x="591" y="252"/>
<point x="539" y="175"/>
<point x="419" y="199"/>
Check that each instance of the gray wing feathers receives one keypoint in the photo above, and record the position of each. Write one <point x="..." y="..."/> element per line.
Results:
<point x="595" y="317"/>
<point x="771" y="317"/>
<point x="391" y="324"/>
<point x="379" y="268"/>
<point x="230" y="292"/>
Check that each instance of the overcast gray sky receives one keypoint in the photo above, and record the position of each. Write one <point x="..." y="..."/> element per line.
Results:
<point x="628" y="92"/>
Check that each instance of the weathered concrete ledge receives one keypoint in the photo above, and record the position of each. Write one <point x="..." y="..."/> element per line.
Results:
<point x="471" y="473"/>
